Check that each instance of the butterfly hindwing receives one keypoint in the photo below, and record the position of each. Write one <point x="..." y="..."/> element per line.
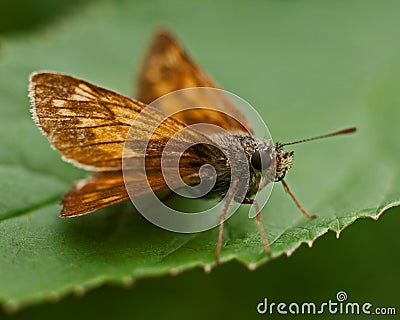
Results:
<point x="167" y="68"/>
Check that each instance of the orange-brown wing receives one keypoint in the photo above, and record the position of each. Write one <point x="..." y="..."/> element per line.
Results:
<point x="104" y="189"/>
<point x="85" y="123"/>
<point x="90" y="125"/>
<point x="168" y="68"/>
<point x="98" y="191"/>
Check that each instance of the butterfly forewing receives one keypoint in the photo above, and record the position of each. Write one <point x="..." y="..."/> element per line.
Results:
<point x="89" y="126"/>
<point x="85" y="123"/>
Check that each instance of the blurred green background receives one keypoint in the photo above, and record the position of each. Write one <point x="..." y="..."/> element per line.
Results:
<point x="364" y="262"/>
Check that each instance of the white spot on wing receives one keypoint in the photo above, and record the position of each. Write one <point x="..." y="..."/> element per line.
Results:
<point x="83" y="93"/>
<point x="66" y="112"/>
<point x="79" y="97"/>
<point x="87" y="122"/>
<point x="80" y="184"/>
<point x="58" y="103"/>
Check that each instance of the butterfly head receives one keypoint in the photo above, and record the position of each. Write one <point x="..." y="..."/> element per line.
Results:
<point x="271" y="162"/>
<point x="283" y="162"/>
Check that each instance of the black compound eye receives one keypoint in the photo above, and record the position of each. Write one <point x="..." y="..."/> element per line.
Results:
<point x="260" y="160"/>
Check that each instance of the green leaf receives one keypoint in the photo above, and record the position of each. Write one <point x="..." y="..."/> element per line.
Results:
<point x="308" y="68"/>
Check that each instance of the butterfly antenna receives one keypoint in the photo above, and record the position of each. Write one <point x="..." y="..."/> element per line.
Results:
<point x="332" y="134"/>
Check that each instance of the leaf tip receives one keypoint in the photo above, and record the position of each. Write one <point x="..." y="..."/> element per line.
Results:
<point x="174" y="271"/>
<point x="79" y="291"/>
<point x="128" y="281"/>
<point x="252" y="266"/>
<point x="207" y="268"/>
<point x="53" y="297"/>
<point x="11" y="306"/>
<point x="290" y="252"/>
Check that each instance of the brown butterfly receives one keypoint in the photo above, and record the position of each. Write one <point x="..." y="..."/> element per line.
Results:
<point x="89" y="126"/>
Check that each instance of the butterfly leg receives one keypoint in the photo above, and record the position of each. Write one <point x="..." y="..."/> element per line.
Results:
<point x="220" y="234"/>
<point x="228" y="200"/>
<point x="286" y="187"/>
<point x="259" y="223"/>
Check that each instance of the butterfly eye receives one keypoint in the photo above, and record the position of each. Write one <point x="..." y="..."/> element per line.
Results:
<point x="260" y="160"/>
